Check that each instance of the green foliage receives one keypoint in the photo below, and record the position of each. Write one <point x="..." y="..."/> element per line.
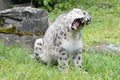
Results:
<point x="55" y="4"/>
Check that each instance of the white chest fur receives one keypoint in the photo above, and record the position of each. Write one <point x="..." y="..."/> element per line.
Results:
<point x="73" y="42"/>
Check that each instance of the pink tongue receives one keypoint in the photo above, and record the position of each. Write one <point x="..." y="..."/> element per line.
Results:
<point x="75" y="25"/>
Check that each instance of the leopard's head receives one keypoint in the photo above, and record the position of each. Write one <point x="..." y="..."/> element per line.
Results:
<point x="78" y="19"/>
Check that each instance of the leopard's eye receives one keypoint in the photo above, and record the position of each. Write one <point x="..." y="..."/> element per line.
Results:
<point x="84" y="13"/>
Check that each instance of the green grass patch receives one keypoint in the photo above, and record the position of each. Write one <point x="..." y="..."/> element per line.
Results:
<point x="16" y="64"/>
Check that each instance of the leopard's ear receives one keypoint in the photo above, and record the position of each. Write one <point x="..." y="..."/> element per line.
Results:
<point x="75" y="14"/>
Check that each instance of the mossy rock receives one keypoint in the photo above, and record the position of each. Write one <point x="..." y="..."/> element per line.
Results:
<point x="12" y="30"/>
<point x="1" y="21"/>
<point x="8" y="30"/>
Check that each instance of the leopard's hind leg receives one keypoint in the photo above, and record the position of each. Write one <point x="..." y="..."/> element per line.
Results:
<point x="38" y="49"/>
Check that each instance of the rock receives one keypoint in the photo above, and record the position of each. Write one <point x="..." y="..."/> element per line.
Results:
<point x="25" y="41"/>
<point x="4" y="4"/>
<point x="26" y="19"/>
<point x="23" y="4"/>
<point x="30" y="24"/>
<point x="104" y="47"/>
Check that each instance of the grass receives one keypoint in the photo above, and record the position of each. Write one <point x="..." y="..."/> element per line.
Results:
<point x="16" y="63"/>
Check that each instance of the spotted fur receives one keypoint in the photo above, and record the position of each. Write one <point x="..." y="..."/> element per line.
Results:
<point x="62" y="40"/>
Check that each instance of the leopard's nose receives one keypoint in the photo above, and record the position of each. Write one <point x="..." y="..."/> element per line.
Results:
<point x="88" y="21"/>
<point x="36" y="54"/>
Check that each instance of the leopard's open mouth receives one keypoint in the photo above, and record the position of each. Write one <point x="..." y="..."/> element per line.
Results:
<point x="78" y="23"/>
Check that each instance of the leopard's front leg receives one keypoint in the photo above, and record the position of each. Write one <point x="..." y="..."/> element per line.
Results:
<point x="77" y="58"/>
<point x="62" y="57"/>
<point x="61" y="53"/>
